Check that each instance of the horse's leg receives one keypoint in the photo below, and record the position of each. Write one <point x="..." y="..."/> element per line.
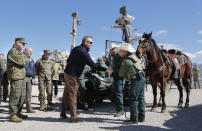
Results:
<point x="154" y="87"/>
<point x="180" y="89"/>
<point x="163" y="92"/>
<point x="187" y="82"/>
<point x="160" y="99"/>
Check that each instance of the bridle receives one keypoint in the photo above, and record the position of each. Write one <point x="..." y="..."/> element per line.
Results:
<point x="145" y="49"/>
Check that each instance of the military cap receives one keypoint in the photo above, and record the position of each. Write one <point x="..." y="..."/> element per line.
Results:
<point x="22" y="40"/>
<point x="47" y="52"/>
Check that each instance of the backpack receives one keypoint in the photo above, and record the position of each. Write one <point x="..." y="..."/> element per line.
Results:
<point x="138" y="63"/>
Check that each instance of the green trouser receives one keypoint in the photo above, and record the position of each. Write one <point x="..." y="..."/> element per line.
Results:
<point x="17" y="96"/>
<point x="118" y="85"/>
<point x="137" y="100"/>
<point x="28" y="81"/>
<point x="45" y="84"/>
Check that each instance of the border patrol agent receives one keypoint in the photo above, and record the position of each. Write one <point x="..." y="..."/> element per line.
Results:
<point x="132" y="69"/>
<point x="16" y="62"/>
<point x="196" y="75"/>
<point x="44" y="68"/>
<point x="118" y="81"/>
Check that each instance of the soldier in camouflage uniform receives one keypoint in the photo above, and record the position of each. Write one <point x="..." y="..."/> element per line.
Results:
<point x="16" y="62"/>
<point x="44" y="68"/>
<point x="132" y="70"/>
<point x="57" y="70"/>
<point x="196" y="75"/>
<point x="3" y="79"/>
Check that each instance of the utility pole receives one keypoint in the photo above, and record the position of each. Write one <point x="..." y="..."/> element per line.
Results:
<point x="74" y="30"/>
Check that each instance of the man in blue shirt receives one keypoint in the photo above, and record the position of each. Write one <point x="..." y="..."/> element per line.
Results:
<point x="79" y="57"/>
<point x="30" y="75"/>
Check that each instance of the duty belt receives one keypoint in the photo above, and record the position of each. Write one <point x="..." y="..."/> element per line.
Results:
<point x="139" y="75"/>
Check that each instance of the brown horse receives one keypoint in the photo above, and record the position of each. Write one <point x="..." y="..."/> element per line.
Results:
<point x="159" y="69"/>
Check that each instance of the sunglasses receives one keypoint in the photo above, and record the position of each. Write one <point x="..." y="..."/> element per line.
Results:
<point x="89" y="42"/>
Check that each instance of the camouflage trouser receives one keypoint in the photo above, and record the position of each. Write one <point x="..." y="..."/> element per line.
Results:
<point x="17" y="96"/>
<point x="197" y="82"/>
<point x="45" y="84"/>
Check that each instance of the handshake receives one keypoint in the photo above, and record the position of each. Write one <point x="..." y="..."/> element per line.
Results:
<point x="109" y="70"/>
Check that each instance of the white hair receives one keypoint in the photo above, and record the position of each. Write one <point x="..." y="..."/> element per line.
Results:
<point x="28" y="49"/>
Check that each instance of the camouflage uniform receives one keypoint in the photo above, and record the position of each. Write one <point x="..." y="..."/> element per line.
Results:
<point x="57" y="70"/>
<point x="2" y="75"/>
<point x="129" y="70"/>
<point x="44" y="70"/>
<point x="196" y="76"/>
<point x="16" y="62"/>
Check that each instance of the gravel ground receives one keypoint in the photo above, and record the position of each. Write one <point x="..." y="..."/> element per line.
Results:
<point x="100" y="118"/>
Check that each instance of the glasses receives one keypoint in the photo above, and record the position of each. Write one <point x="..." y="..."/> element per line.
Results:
<point x="90" y="42"/>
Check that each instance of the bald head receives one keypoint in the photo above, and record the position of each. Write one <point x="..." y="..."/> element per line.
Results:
<point x="28" y="52"/>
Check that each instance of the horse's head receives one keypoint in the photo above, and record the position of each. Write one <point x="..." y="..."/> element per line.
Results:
<point x="144" y="44"/>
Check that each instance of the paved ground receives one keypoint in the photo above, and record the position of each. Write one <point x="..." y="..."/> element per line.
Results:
<point x="100" y="118"/>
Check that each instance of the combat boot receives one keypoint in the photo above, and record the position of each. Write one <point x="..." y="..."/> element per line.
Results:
<point x="49" y="108"/>
<point x="14" y="118"/>
<point x="42" y="103"/>
<point x="20" y="115"/>
<point x="31" y="111"/>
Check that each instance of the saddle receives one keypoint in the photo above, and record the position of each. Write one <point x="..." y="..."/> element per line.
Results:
<point x="177" y="58"/>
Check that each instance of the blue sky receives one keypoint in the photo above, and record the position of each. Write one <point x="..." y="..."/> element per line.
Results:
<point x="46" y="24"/>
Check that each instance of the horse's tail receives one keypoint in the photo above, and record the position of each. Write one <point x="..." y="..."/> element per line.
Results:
<point x="188" y="70"/>
<point x="191" y="83"/>
<point x="188" y="67"/>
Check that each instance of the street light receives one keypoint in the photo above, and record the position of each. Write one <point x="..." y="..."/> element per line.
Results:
<point x="74" y="30"/>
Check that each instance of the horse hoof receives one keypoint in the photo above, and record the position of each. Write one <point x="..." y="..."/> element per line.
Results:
<point x="163" y="110"/>
<point x="186" y="105"/>
<point x="179" y="106"/>
<point x="159" y="104"/>
<point x="153" y="109"/>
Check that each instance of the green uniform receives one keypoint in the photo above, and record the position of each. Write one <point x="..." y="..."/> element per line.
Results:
<point x="44" y="70"/>
<point x="130" y="70"/>
<point x="16" y="62"/>
<point x="118" y="83"/>
<point x="196" y="76"/>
